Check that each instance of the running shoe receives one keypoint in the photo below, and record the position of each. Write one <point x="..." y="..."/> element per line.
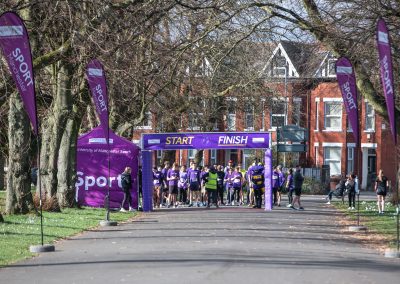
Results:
<point x="123" y="210"/>
<point x="190" y="205"/>
<point x="301" y="208"/>
<point x="328" y="202"/>
<point x="289" y="205"/>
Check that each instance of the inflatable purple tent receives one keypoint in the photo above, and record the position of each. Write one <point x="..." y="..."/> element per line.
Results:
<point x="92" y="168"/>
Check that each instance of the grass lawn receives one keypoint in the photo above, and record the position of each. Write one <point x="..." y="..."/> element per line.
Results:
<point x="383" y="225"/>
<point x="20" y="231"/>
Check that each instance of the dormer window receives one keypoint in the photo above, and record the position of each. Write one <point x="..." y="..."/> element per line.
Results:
<point x="331" y="67"/>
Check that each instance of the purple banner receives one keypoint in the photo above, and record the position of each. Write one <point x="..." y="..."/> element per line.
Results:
<point x="211" y="140"/>
<point x="385" y="62"/>
<point x="98" y="87"/>
<point x="92" y="170"/>
<point x="268" y="180"/>
<point x="347" y="83"/>
<point x="14" y="42"/>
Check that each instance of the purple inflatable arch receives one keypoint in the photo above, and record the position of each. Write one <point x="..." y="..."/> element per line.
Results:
<point x="203" y="140"/>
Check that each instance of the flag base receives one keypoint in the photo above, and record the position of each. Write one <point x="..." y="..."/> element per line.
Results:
<point x="43" y="248"/>
<point x="105" y="223"/>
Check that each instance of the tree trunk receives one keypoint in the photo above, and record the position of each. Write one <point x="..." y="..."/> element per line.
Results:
<point x="53" y="129"/>
<point x="168" y="155"/>
<point x="19" y="197"/>
<point x="1" y="172"/>
<point x="198" y="158"/>
<point x="66" y="175"/>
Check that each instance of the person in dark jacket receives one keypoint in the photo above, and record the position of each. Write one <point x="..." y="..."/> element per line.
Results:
<point x="339" y="190"/>
<point x="351" y="191"/>
<point x="126" y="182"/>
<point x="298" y="183"/>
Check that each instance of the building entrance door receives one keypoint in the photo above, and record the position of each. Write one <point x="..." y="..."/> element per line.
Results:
<point x="371" y="168"/>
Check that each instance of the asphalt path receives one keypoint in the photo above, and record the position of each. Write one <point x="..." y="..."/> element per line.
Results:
<point x="226" y="245"/>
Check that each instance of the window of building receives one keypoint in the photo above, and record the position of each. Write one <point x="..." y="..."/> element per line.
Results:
<point x="369" y="117"/>
<point x="146" y="123"/>
<point x="249" y="116"/>
<point x="331" y="67"/>
<point x="278" y="113"/>
<point x="296" y="111"/>
<point x="332" y="158"/>
<point x="262" y="115"/>
<point x="194" y="121"/>
<point x="349" y="127"/>
<point x="191" y="154"/>
<point x="213" y="156"/>
<point x="350" y="159"/>
<point x="231" y="116"/>
<point x="333" y="115"/>
<point x="316" y="115"/>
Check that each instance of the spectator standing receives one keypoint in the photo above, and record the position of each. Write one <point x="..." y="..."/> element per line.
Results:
<point x="298" y="183"/>
<point x="210" y="180"/>
<point x="126" y="182"/>
<point x="351" y="191"/>
<point x="381" y="188"/>
<point x="290" y="187"/>
<point x="281" y="184"/>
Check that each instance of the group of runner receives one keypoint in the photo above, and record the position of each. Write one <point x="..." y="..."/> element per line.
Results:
<point x="217" y="185"/>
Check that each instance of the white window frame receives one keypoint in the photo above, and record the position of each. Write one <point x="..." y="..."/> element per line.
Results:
<point x="231" y="115"/>
<point x="339" y="103"/>
<point x="148" y="118"/>
<point x="316" y="114"/>
<point x="331" y="75"/>
<point x="350" y="159"/>
<point x="197" y="116"/>
<point x="191" y="154"/>
<point x="296" y="110"/>
<point x="369" y="116"/>
<point x="331" y="160"/>
<point x="262" y="115"/>
<point x="213" y="156"/>
<point x="249" y="113"/>
<point x="284" y="115"/>
<point x="316" y="152"/>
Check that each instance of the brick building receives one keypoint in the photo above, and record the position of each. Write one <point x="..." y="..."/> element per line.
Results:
<point x="302" y="90"/>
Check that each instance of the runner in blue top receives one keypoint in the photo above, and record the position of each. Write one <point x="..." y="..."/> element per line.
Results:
<point x="194" y="185"/>
<point x="183" y="185"/>
<point x="172" y="178"/>
<point x="157" y="183"/>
